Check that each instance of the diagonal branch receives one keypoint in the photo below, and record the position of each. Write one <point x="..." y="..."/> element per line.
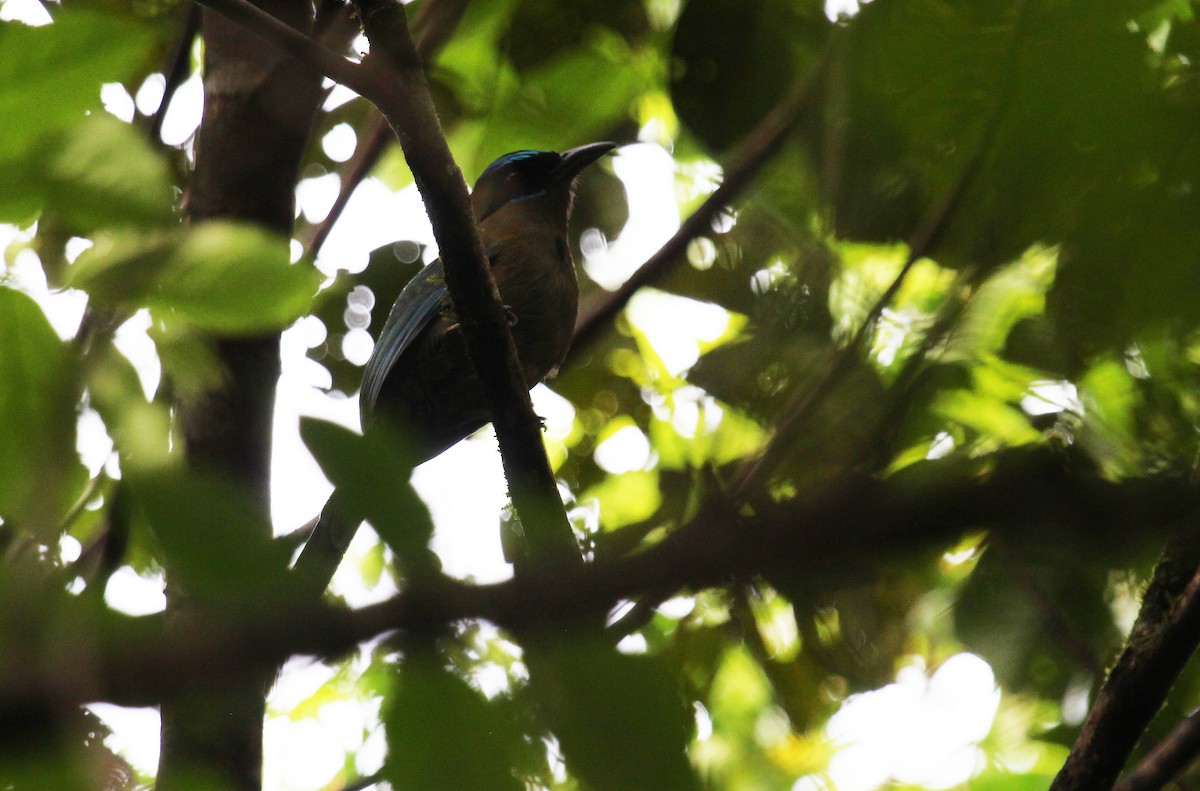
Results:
<point x="755" y="151"/>
<point x="1168" y="758"/>
<point x="409" y="109"/>
<point x="805" y="400"/>
<point x="392" y="79"/>
<point x="299" y="45"/>
<point x="1163" y="639"/>
<point x="435" y="22"/>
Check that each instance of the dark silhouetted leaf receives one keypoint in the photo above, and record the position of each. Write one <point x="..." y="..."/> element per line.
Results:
<point x="442" y="734"/>
<point x="620" y="719"/>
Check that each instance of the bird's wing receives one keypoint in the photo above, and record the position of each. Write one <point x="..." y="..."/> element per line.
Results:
<point x="418" y="304"/>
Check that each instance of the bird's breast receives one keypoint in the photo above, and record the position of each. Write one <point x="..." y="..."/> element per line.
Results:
<point x="536" y="279"/>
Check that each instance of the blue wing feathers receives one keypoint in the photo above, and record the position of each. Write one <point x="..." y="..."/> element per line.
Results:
<point x="419" y="303"/>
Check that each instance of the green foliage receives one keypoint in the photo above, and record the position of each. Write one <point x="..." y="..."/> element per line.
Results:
<point x="1038" y="160"/>
<point x="53" y="76"/>
<point x="188" y="514"/>
<point x="369" y="473"/>
<point x="222" y="277"/>
<point x="620" y="719"/>
<point x="105" y="174"/>
<point x="54" y="73"/>
<point x="40" y="477"/>
<point x="443" y="734"/>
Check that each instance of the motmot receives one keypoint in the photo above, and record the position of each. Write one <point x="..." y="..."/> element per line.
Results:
<point x="418" y="378"/>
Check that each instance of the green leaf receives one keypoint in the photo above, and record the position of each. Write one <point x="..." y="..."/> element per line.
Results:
<point x="224" y="277"/>
<point x="371" y="476"/>
<point x="234" y="278"/>
<point x="104" y="172"/>
<point x="546" y="108"/>
<point x="140" y="429"/>
<point x="627" y="498"/>
<point x="991" y="417"/>
<point x="620" y="719"/>
<point x="40" y="474"/>
<point x="443" y="734"/>
<point x="214" y="535"/>
<point x="53" y="74"/>
<point x="1018" y="593"/>
<point x="734" y="59"/>
<point x="24" y="190"/>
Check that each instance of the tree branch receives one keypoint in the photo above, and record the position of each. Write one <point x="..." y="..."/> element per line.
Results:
<point x="392" y="79"/>
<point x="755" y="151"/>
<point x="1164" y="637"/>
<point x="1168" y="758"/>
<point x="409" y="109"/>
<point x="855" y="523"/>
<point x="435" y="22"/>
<point x="295" y="43"/>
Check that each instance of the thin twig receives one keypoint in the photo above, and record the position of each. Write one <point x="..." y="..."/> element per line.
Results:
<point x="1168" y="758"/>
<point x="364" y="783"/>
<point x="434" y="23"/>
<point x="378" y="136"/>
<point x="296" y="44"/>
<point x="806" y="399"/>
<point x="177" y="69"/>
<point x="755" y="151"/>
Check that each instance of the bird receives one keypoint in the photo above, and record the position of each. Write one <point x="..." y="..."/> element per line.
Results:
<point x="418" y="376"/>
<point x="418" y="379"/>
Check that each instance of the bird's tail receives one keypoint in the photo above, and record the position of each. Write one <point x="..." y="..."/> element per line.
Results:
<point x="328" y="542"/>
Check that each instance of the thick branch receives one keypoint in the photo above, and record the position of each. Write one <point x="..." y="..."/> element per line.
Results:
<point x="254" y="131"/>
<point x="299" y="45"/>
<point x="855" y="523"/>
<point x="391" y="78"/>
<point x="409" y="108"/>
<point x="1165" y="636"/>
<point x="755" y="151"/>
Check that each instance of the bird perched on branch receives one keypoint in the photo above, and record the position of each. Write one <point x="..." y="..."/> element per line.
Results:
<point x="419" y="378"/>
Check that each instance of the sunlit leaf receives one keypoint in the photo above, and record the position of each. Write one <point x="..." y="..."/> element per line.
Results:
<point x="546" y="108"/>
<point x="140" y="429"/>
<point x="991" y="417"/>
<point x="104" y="173"/>
<point x="40" y="475"/>
<point x="627" y="498"/>
<point x="224" y="277"/>
<point x="52" y="74"/>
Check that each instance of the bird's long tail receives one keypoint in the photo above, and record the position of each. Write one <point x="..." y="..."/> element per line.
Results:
<point x="328" y="542"/>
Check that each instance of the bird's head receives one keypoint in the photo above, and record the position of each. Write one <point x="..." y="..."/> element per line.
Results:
<point x="527" y="174"/>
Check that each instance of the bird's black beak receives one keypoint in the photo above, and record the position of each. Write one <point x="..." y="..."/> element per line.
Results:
<point x="572" y="162"/>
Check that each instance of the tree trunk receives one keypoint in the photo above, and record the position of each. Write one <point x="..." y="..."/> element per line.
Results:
<point x="259" y="106"/>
